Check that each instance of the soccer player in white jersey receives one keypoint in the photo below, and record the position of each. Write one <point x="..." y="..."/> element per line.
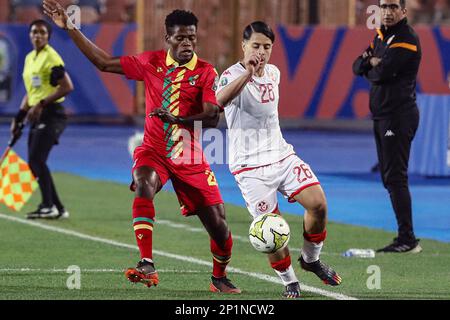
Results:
<point x="263" y="163"/>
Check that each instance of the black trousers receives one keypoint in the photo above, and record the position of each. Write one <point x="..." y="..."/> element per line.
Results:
<point x="43" y="136"/>
<point x="393" y="138"/>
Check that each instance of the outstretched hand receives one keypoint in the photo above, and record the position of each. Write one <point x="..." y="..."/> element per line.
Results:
<point x="57" y="13"/>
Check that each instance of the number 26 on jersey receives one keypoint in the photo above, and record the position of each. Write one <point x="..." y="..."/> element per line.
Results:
<point x="267" y="93"/>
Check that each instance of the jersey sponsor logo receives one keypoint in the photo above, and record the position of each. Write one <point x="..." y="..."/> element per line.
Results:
<point x="263" y="206"/>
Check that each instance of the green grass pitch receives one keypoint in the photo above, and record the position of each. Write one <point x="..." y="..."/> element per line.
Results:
<point x="33" y="260"/>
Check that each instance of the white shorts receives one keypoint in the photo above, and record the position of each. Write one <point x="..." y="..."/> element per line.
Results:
<point x="259" y="186"/>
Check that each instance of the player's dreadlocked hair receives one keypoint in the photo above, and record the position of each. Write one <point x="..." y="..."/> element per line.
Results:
<point x="259" y="27"/>
<point x="180" y="18"/>
<point x="44" y="23"/>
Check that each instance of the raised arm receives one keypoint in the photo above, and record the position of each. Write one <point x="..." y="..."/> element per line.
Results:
<point x="101" y="59"/>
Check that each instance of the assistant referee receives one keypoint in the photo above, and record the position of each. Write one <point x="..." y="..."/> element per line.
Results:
<point x="46" y="83"/>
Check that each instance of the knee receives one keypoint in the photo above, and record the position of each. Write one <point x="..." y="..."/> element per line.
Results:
<point x="36" y="165"/>
<point x="144" y="188"/>
<point x="318" y="207"/>
<point x="393" y="183"/>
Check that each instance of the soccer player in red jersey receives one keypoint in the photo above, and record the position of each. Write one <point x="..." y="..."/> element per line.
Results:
<point x="180" y="90"/>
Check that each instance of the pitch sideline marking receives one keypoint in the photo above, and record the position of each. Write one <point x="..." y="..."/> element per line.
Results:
<point x="260" y="276"/>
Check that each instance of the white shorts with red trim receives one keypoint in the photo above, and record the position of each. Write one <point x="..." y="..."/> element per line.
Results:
<point x="259" y="186"/>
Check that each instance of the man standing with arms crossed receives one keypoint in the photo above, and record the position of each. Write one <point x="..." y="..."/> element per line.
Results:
<point x="180" y="90"/>
<point x="391" y="64"/>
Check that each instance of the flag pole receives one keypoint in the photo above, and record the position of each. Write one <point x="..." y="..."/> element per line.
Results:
<point x="11" y="143"/>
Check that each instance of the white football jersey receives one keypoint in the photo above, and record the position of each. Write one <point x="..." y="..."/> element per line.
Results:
<point x="254" y="133"/>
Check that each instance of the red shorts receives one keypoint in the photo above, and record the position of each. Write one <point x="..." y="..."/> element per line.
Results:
<point x="195" y="185"/>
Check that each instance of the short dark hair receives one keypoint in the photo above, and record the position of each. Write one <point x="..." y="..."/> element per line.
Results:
<point x="180" y="18"/>
<point x="402" y="3"/>
<point x="47" y="25"/>
<point x="259" y="27"/>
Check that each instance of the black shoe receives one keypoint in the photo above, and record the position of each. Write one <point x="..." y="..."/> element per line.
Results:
<point x="44" y="213"/>
<point x="292" y="291"/>
<point x="324" y="272"/>
<point x="402" y="247"/>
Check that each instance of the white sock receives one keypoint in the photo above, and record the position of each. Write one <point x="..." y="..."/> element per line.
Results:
<point x="287" y="276"/>
<point x="311" y="251"/>
<point x="148" y="260"/>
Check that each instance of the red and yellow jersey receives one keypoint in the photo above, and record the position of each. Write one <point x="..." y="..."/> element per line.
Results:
<point x="180" y="89"/>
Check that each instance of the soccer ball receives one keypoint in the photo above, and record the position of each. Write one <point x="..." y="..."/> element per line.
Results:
<point x="269" y="233"/>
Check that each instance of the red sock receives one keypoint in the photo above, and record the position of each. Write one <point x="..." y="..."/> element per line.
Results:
<point x="143" y="220"/>
<point x="221" y="257"/>
<point x="315" y="238"/>
<point x="282" y="265"/>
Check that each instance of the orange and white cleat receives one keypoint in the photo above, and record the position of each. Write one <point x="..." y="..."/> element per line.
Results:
<point x="223" y="285"/>
<point x="144" y="272"/>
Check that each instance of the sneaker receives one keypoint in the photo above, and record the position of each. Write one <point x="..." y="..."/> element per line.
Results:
<point x="324" y="272"/>
<point x="44" y="213"/>
<point x="292" y="291"/>
<point x="144" y="272"/>
<point x="399" y="247"/>
<point x="223" y="285"/>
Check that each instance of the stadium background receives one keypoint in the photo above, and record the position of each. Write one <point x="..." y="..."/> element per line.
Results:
<point x="324" y="108"/>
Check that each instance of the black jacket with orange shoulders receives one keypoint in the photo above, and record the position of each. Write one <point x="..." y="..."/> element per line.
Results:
<point x="393" y="81"/>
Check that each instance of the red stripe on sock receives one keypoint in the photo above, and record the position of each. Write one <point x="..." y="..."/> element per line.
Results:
<point x="315" y="238"/>
<point x="282" y="265"/>
<point x="144" y="208"/>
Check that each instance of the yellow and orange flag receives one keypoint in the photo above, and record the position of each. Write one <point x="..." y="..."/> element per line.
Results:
<point x="17" y="182"/>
